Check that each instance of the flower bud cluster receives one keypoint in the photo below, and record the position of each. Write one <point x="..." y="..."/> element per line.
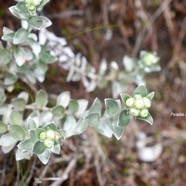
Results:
<point x="138" y="105"/>
<point x="149" y="58"/>
<point x="32" y="4"/>
<point x="49" y="137"/>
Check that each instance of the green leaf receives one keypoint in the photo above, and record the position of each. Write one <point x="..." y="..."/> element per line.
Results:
<point x="43" y="3"/>
<point x="112" y="106"/>
<point x="128" y="63"/>
<point x="73" y="106"/>
<point x="124" y="118"/>
<point x="31" y="125"/>
<point x="45" y="22"/>
<point x="93" y="119"/>
<point x="19" y="55"/>
<point x="140" y="90"/>
<point x="124" y="97"/>
<point x="1" y="46"/>
<point x="6" y="31"/>
<point x="33" y="136"/>
<point x="39" y="71"/>
<point x="35" y="46"/>
<point x="63" y="99"/>
<point x="148" y="119"/>
<point x="80" y="127"/>
<point x="45" y="117"/>
<point x="7" y="149"/>
<point x="41" y="68"/>
<point x="69" y="126"/>
<point x="18" y="14"/>
<point x="51" y="126"/>
<point x="83" y="103"/>
<point x="46" y="56"/>
<point x="116" y="130"/>
<point x="7" y="140"/>
<point x="39" y="148"/>
<point x="17" y="132"/>
<point x="19" y="104"/>
<point x="15" y="118"/>
<point x="96" y="107"/>
<point x="39" y="22"/>
<point x="21" y="7"/>
<point x="2" y="96"/>
<point x="150" y="96"/>
<point x="8" y="37"/>
<point x="58" y="111"/>
<point x="44" y="157"/>
<point x="3" y="127"/>
<point x="35" y="21"/>
<point x="8" y="34"/>
<point x="22" y="154"/>
<point x="104" y="129"/>
<point x="10" y="79"/>
<point x="20" y="36"/>
<point x="41" y="98"/>
<point x="5" y="57"/>
<point x="153" y="68"/>
<point x="29" y="54"/>
<point x="61" y="132"/>
<point x="24" y="95"/>
<point x="30" y="76"/>
<point x="56" y="148"/>
<point x="26" y="145"/>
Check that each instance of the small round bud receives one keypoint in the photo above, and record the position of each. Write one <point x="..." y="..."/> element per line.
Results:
<point x="31" y="7"/>
<point x="150" y="59"/>
<point x="144" y="113"/>
<point x="37" y="2"/>
<point x="48" y="143"/>
<point x="137" y="96"/>
<point x="129" y="102"/>
<point x="33" y="2"/>
<point x="28" y="1"/>
<point x="147" y="102"/>
<point x="134" y="112"/>
<point x="42" y="135"/>
<point x="138" y="103"/>
<point x="58" y="136"/>
<point x="51" y="134"/>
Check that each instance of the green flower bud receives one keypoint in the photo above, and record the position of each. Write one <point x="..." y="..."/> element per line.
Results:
<point x="144" y="113"/>
<point x="150" y="59"/>
<point x="137" y="96"/>
<point x="58" y="136"/>
<point x="147" y="102"/>
<point x="34" y="2"/>
<point x="134" y="112"/>
<point x="51" y="134"/>
<point x="42" y="136"/>
<point x="31" y="7"/>
<point x="48" y="143"/>
<point x="28" y="1"/>
<point x="37" y="2"/>
<point x="129" y="102"/>
<point x="138" y="103"/>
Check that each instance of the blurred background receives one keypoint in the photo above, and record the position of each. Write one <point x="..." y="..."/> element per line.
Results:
<point x="109" y="29"/>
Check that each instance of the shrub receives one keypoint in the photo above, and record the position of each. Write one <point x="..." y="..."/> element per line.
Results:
<point x="36" y="125"/>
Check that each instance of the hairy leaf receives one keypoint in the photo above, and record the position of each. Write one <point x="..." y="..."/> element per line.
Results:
<point x="124" y="118"/>
<point x="39" y="148"/>
<point x="41" y="98"/>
